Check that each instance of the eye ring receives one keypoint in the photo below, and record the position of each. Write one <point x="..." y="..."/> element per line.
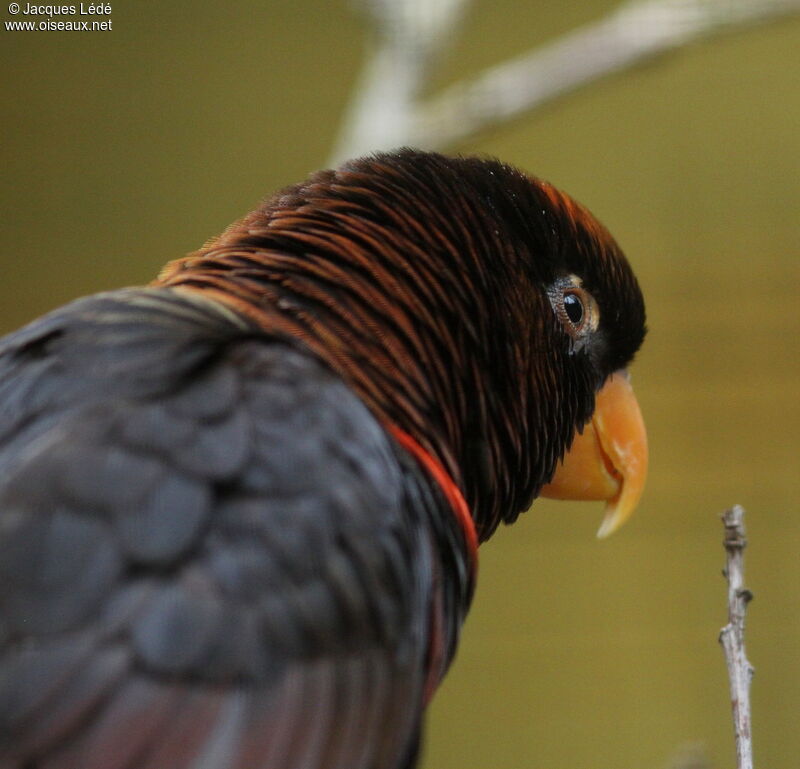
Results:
<point x="574" y="306"/>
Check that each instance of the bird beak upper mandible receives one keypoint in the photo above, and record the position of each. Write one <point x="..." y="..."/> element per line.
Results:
<point x="608" y="460"/>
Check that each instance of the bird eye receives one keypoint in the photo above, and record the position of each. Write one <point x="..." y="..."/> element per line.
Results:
<point x="573" y="307"/>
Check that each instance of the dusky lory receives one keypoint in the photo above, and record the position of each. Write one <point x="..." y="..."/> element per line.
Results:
<point x="240" y="508"/>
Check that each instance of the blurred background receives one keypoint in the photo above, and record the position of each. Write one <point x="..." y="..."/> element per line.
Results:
<point x="127" y="148"/>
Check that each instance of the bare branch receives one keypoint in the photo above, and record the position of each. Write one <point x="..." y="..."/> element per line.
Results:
<point x="406" y="39"/>
<point x="740" y="672"/>
<point x="632" y="34"/>
<point x="386" y="113"/>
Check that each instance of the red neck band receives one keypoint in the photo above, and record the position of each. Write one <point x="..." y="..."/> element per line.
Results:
<point x="451" y="492"/>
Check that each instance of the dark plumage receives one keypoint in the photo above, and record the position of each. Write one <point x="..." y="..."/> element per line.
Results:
<point x="229" y="527"/>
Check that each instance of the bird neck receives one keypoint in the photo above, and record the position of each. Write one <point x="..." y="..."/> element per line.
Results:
<point x="404" y="314"/>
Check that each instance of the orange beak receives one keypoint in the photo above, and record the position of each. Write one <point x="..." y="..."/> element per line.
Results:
<point x="608" y="460"/>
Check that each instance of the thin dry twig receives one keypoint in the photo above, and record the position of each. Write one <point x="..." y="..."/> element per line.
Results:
<point x="740" y="671"/>
<point x="408" y="35"/>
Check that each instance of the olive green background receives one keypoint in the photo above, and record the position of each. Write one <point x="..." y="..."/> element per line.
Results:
<point x="127" y="148"/>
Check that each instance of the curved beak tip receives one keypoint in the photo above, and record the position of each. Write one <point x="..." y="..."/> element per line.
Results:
<point x="613" y="518"/>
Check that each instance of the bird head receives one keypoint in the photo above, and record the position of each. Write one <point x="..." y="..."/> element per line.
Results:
<point x="477" y="308"/>
<point x="600" y="316"/>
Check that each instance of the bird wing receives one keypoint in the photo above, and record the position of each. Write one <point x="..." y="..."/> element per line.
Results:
<point x="211" y="556"/>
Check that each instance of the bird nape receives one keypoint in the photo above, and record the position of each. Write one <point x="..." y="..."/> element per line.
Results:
<point x="240" y="508"/>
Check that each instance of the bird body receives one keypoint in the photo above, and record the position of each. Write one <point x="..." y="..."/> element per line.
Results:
<point x="240" y="508"/>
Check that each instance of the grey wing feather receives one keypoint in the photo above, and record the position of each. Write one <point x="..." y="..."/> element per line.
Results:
<point x="211" y="556"/>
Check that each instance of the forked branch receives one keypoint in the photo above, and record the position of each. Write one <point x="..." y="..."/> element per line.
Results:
<point x="408" y="36"/>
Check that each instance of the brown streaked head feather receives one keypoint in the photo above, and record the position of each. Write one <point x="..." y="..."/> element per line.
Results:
<point x="422" y="279"/>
